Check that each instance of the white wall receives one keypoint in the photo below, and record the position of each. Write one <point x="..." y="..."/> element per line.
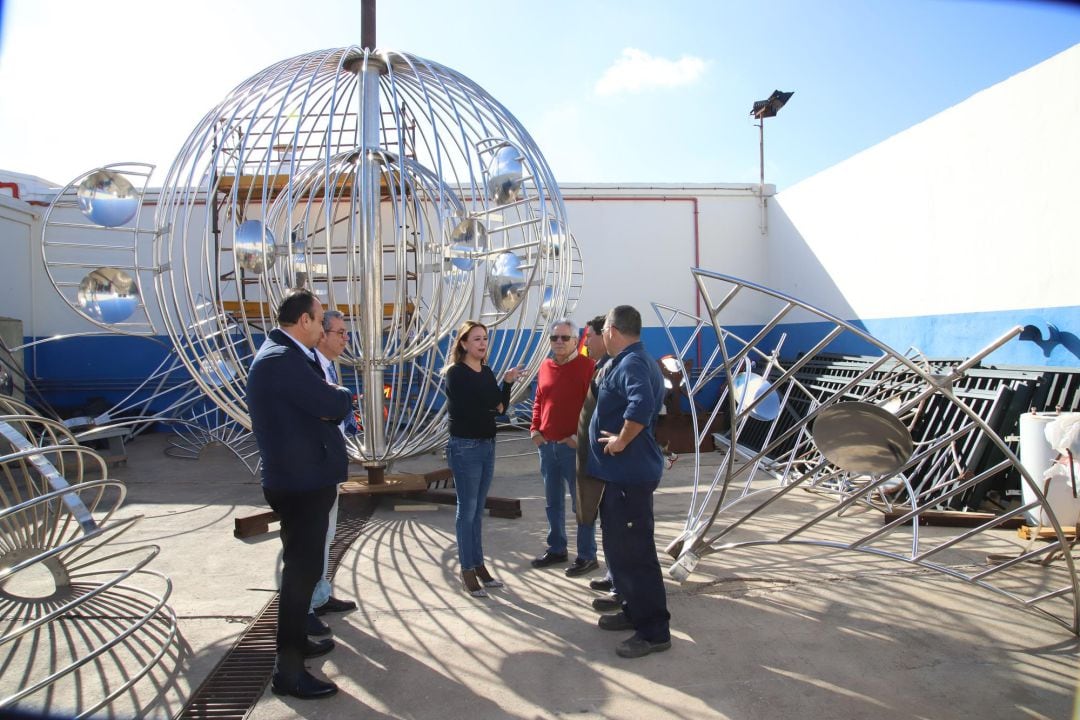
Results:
<point x="638" y="241"/>
<point x="17" y="285"/>
<point x="976" y="209"/>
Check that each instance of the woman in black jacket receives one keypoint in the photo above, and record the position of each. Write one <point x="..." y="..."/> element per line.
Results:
<point x="474" y="398"/>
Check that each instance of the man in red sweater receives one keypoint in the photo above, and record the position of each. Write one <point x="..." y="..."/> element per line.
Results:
<point x="560" y="392"/>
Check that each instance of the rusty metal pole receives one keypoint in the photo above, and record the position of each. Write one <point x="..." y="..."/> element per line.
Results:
<point x="367" y="24"/>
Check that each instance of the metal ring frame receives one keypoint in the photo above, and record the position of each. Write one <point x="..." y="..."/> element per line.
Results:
<point x="54" y="518"/>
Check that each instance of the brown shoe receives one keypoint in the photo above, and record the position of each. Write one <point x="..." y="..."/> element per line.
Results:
<point x="472" y="584"/>
<point x="484" y="577"/>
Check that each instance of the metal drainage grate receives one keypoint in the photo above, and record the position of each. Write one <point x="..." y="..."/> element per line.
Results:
<point x="237" y="682"/>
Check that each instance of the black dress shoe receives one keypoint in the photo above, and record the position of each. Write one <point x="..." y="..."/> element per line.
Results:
<point x="615" y="621"/>
<point x="315" y="626"/>
<point x="601" y="584"/>
<point x="335" y="605"/>
<point x="580" y="566"/>
<point x="315" y="648"/>
<point x="305" y="686"/>
<point x="607" y="603"/>
<point x="548" y="558"/>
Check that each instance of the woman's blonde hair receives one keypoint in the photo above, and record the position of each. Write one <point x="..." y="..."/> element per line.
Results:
<point x="462" y="334"/>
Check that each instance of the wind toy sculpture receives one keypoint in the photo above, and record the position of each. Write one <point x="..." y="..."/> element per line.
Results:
<point x="393" y="187"/>
<point x="807" y="445"/>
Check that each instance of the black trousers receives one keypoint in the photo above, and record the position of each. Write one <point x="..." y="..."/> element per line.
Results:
<point x="304" y="519"/>
<point x="626" y="520"/>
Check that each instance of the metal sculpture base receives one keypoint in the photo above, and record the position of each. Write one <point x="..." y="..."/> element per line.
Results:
<point x="362" y="484"/>
<point x="434" y="487"/>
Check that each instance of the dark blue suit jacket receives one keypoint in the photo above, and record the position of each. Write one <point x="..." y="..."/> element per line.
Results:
<point x="288" y="398"/>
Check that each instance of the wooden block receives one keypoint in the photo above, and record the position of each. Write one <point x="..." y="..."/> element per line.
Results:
<point x="1027" y="532"/>
<point x="252" y="525"/>
<point x="496" y="506"/>
<point x="501" y="507"/>
<point x="441" y="478"/>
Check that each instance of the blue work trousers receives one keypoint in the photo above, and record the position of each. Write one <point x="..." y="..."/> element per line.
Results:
<point x="626" y="520"/>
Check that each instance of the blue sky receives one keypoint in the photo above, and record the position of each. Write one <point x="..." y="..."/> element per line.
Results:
<point x="612" y="90"/>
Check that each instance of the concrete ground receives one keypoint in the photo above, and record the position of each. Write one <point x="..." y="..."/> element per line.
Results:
<point x="767" y="633"/>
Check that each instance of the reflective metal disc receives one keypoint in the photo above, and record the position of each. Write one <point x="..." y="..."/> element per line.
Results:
<point x="108" y="198"/>
<point x="862" y="438"/>
<point x="506" y="281"/>
<point x="254" y="247"/>
<point x="505" y="174"/>
<point x="545" y="304"/>
<point x="747" y="388"/>
<point x="108" y="295"/>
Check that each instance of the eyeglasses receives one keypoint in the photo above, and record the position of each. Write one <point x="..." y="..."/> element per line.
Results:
<point x="343" y="333"/>
<point x="557" y="338"/>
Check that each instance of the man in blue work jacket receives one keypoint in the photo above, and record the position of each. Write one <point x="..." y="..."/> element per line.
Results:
<point x="624" y="454"/>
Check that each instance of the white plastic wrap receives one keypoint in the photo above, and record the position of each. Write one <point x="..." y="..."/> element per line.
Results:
<point x="1037" y="455"/>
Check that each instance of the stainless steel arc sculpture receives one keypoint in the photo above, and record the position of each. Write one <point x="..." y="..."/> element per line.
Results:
<point x="399" y="192"/>
<point x="854" y="460"/>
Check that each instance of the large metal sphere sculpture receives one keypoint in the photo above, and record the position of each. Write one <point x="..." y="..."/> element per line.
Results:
<point x="394" y="188"/>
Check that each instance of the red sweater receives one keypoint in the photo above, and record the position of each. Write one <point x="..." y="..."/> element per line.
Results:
<point x="560" y="393"/>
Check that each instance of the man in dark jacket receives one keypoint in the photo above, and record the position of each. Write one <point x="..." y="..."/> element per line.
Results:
<point x="294" y="416"/>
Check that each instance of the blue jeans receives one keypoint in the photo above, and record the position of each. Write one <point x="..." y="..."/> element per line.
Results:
<point x="558" y="467"/>
<point x="472" y="460"/>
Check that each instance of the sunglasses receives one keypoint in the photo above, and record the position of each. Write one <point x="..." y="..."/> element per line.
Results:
<point x="557" y="338"/>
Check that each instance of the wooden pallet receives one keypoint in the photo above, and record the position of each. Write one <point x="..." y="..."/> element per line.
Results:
<point x="1027" y="532"/>
<point x="953" y="518"/>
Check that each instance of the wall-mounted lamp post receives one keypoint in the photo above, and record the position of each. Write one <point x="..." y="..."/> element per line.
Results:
<point x="764" y="109"/>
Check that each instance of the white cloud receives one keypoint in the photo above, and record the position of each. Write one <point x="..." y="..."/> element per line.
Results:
<point x="636" y="71"/>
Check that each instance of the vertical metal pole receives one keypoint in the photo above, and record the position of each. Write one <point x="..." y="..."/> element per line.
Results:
<point x="367" y="24"/>
<point x="761" y="180"/>
<point x="370" y="243"/>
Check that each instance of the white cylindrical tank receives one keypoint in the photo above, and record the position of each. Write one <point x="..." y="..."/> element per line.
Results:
<point x="1037" y="455"/>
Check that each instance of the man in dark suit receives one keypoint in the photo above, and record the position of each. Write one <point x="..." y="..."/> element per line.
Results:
<point x="294" y="416"/>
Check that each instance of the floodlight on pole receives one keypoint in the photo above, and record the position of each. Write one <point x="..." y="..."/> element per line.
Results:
<point x="765" y="109"/>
